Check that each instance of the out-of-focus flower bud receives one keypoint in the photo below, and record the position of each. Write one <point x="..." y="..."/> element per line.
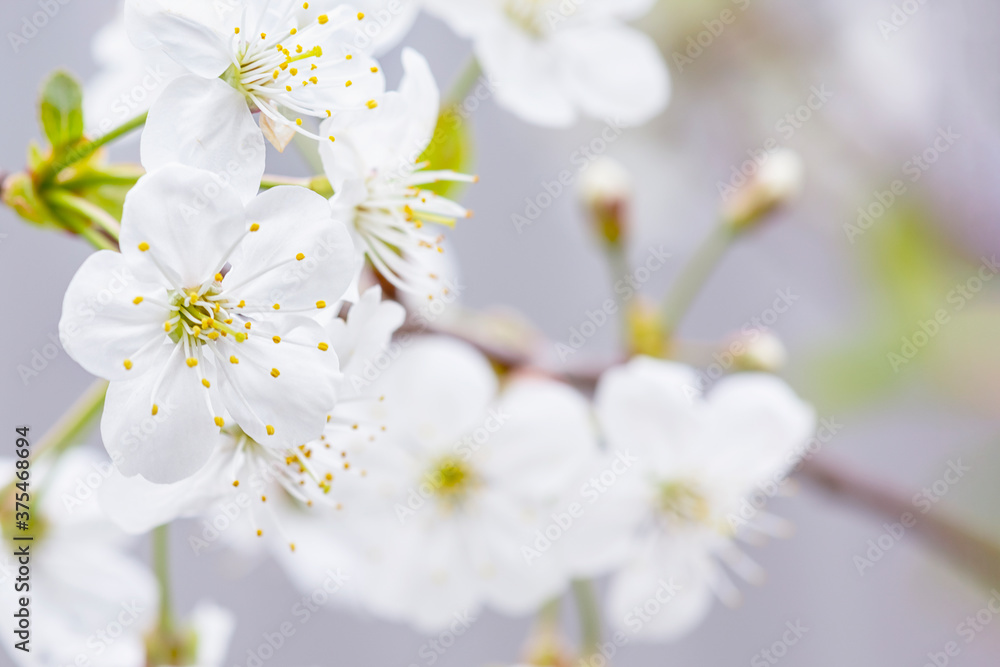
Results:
<point x="759" y="350"/>
<point x="606" y="190"/>
<point x="778" y="181"/>
<point x="646" y="334"/>
<point x="18" y="192"/>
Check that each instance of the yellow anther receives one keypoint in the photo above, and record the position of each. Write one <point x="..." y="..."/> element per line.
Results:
<point x="283" y="65"/>
<point x="314" y="79"/>
<point x="275" y="372"/>
<point x="263" y="499"/>
<point x="219" y="277"/>
<point x="361" y="15"/>
<point x="294" y="72"/>
<point x="332" y="138"/>
<point x="305" y="5"/>
<point x="192" y="362"/>
<point x="143" y="246"/>
<point x="214" y="335"/>
<point x="348" y="83"/>
<point x="128" y="364"/>
<point x="247" y="325"/>
<point x="220" y="422"/>
<point x="263" y="35"/>
<point x="323" y="19"/>
<point x="276" y="74"/>
<point x="374" y="70"/>
<point x="298" y="121"/>
<point x="237" y="30"/>
<point x="270" y="430"/>
<point x="321" y="304"/>
<point x="298" y="48"/>
<point x="206" y="322"/>
<point x="240" y="337"/>
<point x="236" y="482"/>
<point x="166" y="327"/>
<point x="350" y="57"/>
<point x="277" y="339"/>
<point x="371" y="104"/>
<point x="277" y="306"/>
<point x="206" y="383"/>
<point x="328" y="113"/>
<point x="137" y="300"/>
<point x="241" y="304"/>
<point x="254" y="227"/>
<point x="196" y="331"/>
<point x="293" y="31"/>
<point x="259" y="532"/>
<point x="288" y="89"/>
<point x="156" y="409"/>
<point x="324" y="347"/>
<point x="300" y="257"/>
<point x="233" y="359"/>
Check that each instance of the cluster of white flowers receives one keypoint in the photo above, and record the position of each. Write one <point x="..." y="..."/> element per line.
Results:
<point x="250" y="367"/>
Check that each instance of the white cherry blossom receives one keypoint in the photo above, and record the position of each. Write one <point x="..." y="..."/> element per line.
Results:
<point x="666" y="526"/>
<point x="554" y="59"/>
<point x="376" y="173"/>
<point x="289" y="60"/>
<point x="203" y="319"/>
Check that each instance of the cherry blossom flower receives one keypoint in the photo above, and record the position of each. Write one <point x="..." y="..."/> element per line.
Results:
<point x="286" y="59"/>
<point x="203" y="319"/>
<point x="376" y="173"/>
<point x="553" y="59"/>
<point x="91" y="602"/>
<point x="665" y="526"/>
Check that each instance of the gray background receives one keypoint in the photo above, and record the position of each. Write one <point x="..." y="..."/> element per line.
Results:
<point x="887" y="105"/>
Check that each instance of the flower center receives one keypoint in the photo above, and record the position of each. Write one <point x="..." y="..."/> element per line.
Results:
<point x="452" y="480"/>
<point x="276" y="65"/>
<point x="532" y="16"/>
<point x="680" y="501"/>
<point x="200" y="315"/>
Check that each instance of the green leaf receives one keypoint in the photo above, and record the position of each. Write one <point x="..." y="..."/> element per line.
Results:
<point x="62" y="110"/>
<point x="451" y="148"/>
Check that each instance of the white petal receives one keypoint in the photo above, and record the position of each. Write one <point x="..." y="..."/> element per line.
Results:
<point x="386" y="23"/>
<point x="189" y="31"/>
<point x="296" y="401"/>
<point x="615" y="73"/>
<point x="101" y="326"/>
<point x="390" y="137"/>
<point x="543" y="437"/>
<point x="527" y="75"/>
<point x="206" y="123"/>
<point x="365" y="336"/>
<point x="188" y="220"/>
<point x="178" y="440"/>
<point x="438" y="391"/>
<point x="137" y="505"/>
<point x="652" y="409"/>
<point x="648" y="588"/>
<point x="760" y="427"/>
<point x="293" y="221"/>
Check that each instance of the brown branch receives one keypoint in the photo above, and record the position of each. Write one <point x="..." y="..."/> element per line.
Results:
<point x="961" y="545"/>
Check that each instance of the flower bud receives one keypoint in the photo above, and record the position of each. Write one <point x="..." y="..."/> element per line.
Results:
<point x="18" y="192"/>
<point x="761" y="351"/>
<point x="606" y="190"/>
<point x="777" y="182"/>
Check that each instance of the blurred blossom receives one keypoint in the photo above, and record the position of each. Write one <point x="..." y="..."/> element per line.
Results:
<point x="699" y="462"/>
<point x="555" y="59"/>
<point x="91" y="602"/>
<point x="460" y="482"/>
